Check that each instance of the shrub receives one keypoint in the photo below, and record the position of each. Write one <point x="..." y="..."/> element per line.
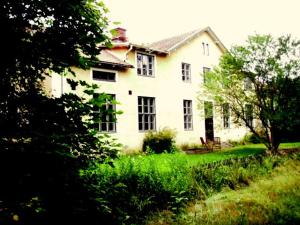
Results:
<point x="251" y="138"/>
<point x="159" y="142"/>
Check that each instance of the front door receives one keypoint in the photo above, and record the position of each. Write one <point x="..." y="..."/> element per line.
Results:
<point x="209" y="121"/>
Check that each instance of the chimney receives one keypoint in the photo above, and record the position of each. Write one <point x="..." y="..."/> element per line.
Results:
<point x="120" y="35"/>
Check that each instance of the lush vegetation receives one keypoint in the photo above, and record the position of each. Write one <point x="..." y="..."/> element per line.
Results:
<point x="140" y="185"/>
<point x="273" y="199"/>
<point x="160" y="141"/>
<point x="45" y="141"/>
<point x="260" y="83"/>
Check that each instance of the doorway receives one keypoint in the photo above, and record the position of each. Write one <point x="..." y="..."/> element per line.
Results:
<point x="209" y="121"/>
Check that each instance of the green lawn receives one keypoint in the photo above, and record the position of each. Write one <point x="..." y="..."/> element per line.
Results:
<point x="165" y="162"/>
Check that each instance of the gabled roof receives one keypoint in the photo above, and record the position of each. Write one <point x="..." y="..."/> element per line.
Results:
<point x="107" y="57"/>
<point x="172" y="43"/>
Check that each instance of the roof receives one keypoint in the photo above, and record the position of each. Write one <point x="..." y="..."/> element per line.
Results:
<point x="172" y="43"/>
<point x="107" y="57"/>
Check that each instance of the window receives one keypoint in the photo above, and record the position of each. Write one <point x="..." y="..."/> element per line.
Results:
<point x="146" y="111"/>
<point x="145" y="65"/>
<point x="103" y="75"/>
<point x="186" y="72"/>
<point x="205" y="48"/>
<point x="205" y="71"/>
<point x="226" y="115"/>
<point x="247" y="84"/>
<point x="105" y="120"/>
<point x="249" y="114"/>
<point x="187" y="114"/>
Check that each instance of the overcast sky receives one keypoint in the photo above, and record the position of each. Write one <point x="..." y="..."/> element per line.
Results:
<point x="231" y="20"/>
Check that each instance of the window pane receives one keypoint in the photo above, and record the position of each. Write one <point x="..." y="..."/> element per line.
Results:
<point x="103" y="75"/>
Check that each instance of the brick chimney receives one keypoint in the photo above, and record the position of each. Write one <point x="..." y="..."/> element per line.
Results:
<point x="120" y="35"/>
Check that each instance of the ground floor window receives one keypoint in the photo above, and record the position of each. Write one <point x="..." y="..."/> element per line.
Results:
<point x="105" y="120"/>
<point x="188" y="114"/>
<point x="146" y="113"/>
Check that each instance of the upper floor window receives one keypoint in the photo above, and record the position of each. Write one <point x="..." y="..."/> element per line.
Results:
<point x="102" y="75"/>
<point x="186" y="72"/>
<point x="187" y="114"/>
<point x="145" y="65"/>
<point x="249" y="114"/>
<point x="146" y="113"/>
<point x="205" y="71"/>
<point x="226" y="115"/>
<point x="105" y="120"/>
<point x="205" y="48"/>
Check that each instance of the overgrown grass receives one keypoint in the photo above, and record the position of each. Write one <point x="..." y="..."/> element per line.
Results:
<point x="165" y="161"/>
<point x="140" y="185"/>
<point x="273" y="200"/>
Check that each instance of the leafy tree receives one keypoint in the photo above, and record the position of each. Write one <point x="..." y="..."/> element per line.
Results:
<point x="44" y="141"/>
<point x="260" y="81"/>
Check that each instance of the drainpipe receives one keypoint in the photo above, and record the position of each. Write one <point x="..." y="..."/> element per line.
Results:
<point x="126" y="53"/>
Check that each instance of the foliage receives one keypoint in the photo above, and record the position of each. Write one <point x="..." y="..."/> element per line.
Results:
<point x="159" y="142"/>
<point x="127" y="193"/>
<point x="44" y="141"/>
<point x="251" y="138"/>
<point x="139" y="186"/>
<point x="270" y="200"/>
<point x="261" y="82"/>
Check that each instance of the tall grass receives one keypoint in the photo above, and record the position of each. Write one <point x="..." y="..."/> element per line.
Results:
<point x="272" y="200"/>
<point x="139" y="186"/>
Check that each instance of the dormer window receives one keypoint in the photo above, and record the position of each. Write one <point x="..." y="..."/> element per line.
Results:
<point x="145" y="65"/>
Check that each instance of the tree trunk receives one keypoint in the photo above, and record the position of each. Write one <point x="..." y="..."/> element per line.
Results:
<point x="275" y="140"/>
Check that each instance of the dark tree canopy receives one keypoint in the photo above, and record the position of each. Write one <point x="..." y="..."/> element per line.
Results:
<point x="44" y="141"/>
<point x="260" y="81"/>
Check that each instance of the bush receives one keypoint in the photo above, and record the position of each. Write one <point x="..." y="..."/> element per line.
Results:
<point x="251" y="138"/>
<point x="159" y="142"/>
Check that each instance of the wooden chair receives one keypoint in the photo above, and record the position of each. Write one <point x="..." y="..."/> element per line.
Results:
<point x="208" y="146"/>
<point x="217" y="143"/>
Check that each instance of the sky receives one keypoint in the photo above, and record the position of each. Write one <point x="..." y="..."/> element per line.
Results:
<point x="232" y="20"/>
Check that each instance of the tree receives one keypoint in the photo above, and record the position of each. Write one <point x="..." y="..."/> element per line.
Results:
<point x="45" y="141"/>
<point x="260" y="81"/>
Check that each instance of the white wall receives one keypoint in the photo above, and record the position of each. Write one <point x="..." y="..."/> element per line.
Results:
<point x="169" y="91"/>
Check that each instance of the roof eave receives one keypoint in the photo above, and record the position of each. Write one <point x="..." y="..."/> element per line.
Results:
<point x="194" y="35"/>
<point x="119" y="65"/>
<point x="149" y="50"/>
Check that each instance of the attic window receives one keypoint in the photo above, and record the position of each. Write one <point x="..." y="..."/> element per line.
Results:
<point x="205" y="48"/>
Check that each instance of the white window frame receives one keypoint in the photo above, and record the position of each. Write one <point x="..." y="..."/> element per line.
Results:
<point x="207" y="49"/>
<point x="186" y="73"/>
<point x="146" y="116"/>
<point x="107" y="122"/>
<point x="103" y="70"/>
<point x="188" y="115"/>
<point x="154" y="64"/>
<point x="205" y="70"/>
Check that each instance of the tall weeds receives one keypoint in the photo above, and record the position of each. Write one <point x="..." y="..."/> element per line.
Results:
<point x="130" y="192"/>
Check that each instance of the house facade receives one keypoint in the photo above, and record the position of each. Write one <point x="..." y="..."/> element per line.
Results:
<point x="157" y="86"/>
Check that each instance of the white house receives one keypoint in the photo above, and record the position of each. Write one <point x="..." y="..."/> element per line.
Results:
<point x="158" y="86"/>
